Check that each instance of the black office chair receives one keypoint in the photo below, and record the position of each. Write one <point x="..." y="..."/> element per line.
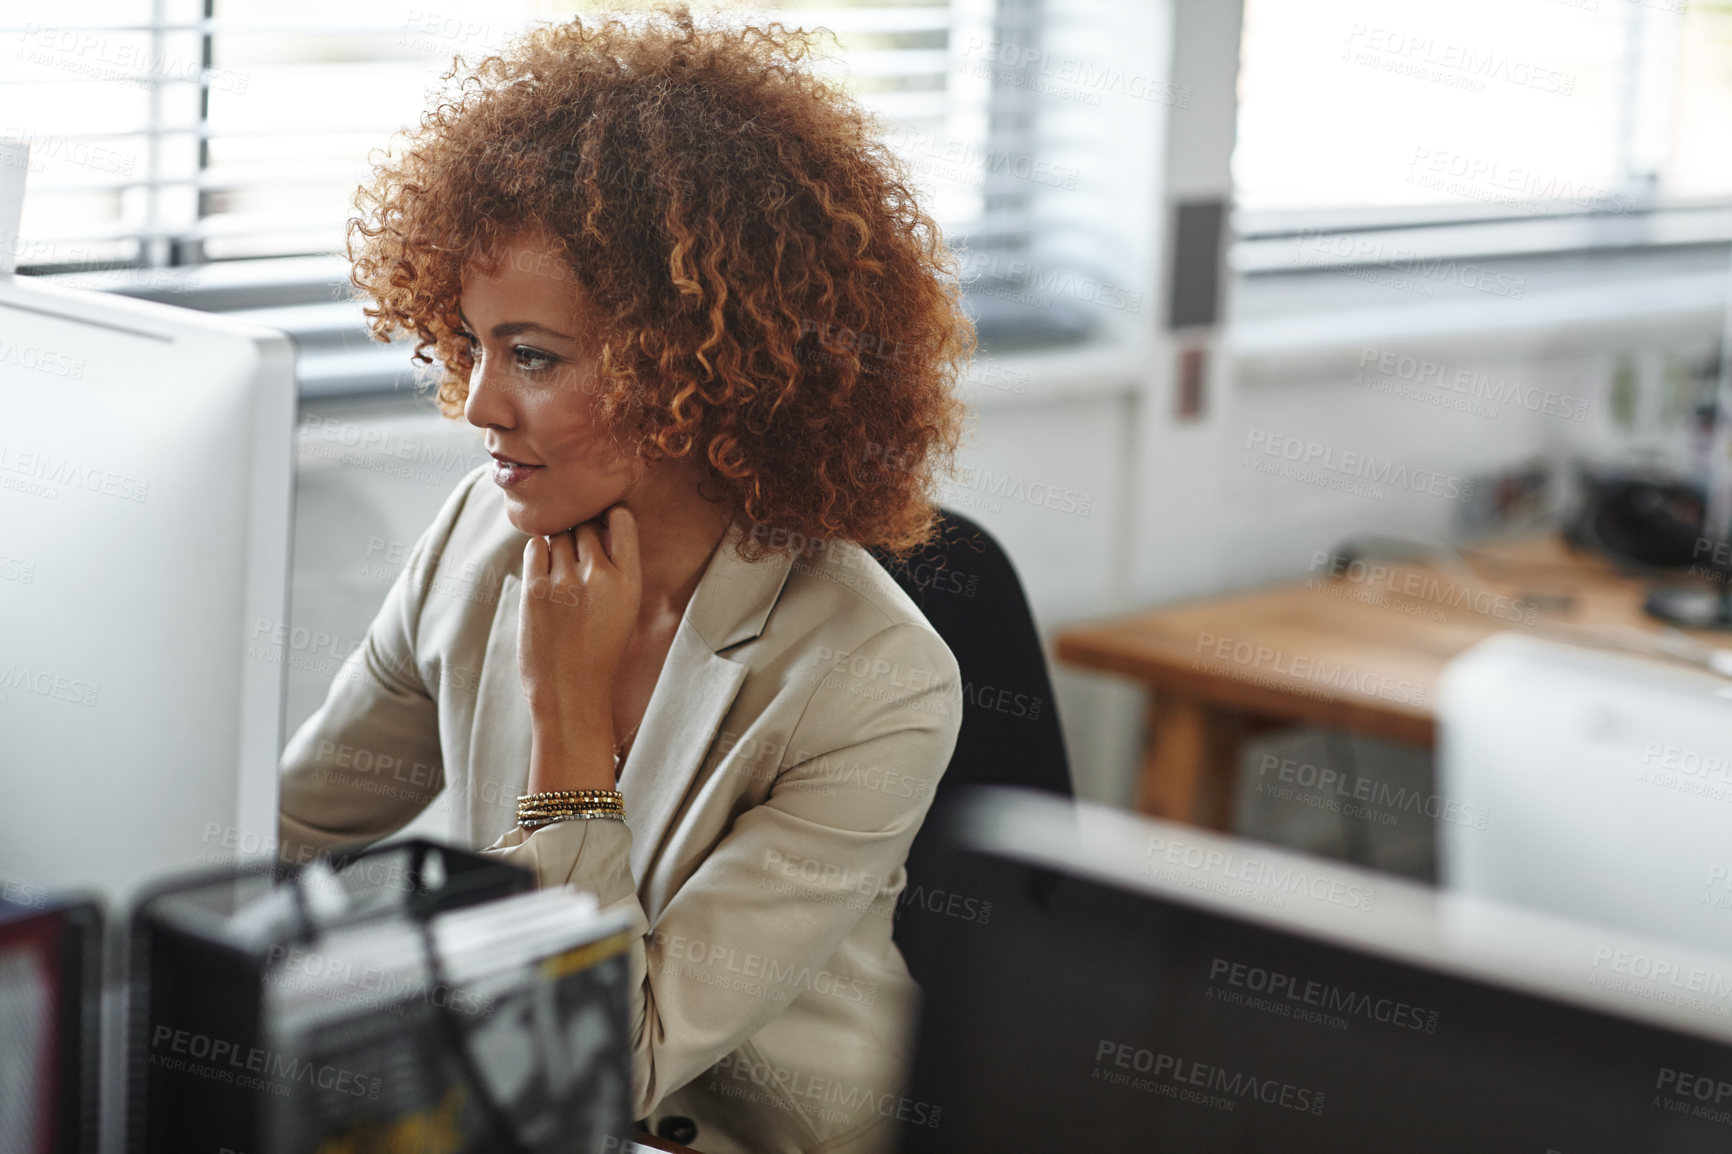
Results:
<point x="1010" y="735"/>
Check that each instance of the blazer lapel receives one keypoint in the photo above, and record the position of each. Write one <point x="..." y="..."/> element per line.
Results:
<point x="692" y="696"/>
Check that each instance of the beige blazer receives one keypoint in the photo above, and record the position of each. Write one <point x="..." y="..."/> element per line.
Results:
<point x="783" y="766"/>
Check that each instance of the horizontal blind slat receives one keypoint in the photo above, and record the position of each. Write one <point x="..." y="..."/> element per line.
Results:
<point x="908" y="86"/>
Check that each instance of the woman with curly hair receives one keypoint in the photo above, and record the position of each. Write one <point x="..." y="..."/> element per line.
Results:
<point x="711" y="343"/>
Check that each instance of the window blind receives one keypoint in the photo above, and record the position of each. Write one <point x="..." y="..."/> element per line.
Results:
<point x="175" y="138"/>
<point x="175" y="132"/>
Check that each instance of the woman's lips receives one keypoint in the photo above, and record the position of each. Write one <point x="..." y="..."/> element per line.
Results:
<point x="510" y="474"/>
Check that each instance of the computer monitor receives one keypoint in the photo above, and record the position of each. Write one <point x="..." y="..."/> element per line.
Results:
<point x="146" y="491"/>
<point x="1601" y="785"/>
<point x="50" y="977"/>
<point x="1143" y="985"/>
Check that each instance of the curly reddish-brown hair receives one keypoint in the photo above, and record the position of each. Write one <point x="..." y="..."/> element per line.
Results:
<point x="769" y="299"/>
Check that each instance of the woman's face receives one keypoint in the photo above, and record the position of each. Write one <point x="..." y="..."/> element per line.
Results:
<point x="532" y="390"/>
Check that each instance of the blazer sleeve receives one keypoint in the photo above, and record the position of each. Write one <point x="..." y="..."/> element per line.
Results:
<point x="368" y="760"/>
<point x="793" y="875"/>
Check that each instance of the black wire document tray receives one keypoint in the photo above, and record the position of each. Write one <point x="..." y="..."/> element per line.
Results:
<point x="415" y="998"/>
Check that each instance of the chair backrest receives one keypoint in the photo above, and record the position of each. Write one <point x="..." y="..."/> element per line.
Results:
<point x="967" y="587"/>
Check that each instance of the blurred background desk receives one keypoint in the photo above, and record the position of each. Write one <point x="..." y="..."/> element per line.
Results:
<point x="1358" y="652"/>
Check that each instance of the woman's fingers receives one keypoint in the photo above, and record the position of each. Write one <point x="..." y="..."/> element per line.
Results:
<point x="622" y="538"/>
<point x="567" y="563"/>
<point x="586" y="539"/>
<point x="565" y="568"/>
<point x="535" y="567"/>
<point x="567" y="661"/>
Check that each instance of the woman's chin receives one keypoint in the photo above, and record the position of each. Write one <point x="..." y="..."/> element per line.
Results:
<point x="534" y="519"/>
<point x="531" y="521"/>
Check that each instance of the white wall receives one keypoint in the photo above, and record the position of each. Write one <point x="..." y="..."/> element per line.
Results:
<point x="1197" y="522"/>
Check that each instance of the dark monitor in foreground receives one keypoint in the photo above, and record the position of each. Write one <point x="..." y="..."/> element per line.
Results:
<point x="1144" y="986"/>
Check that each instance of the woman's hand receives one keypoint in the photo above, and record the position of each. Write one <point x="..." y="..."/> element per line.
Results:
<point x="579" y="609"/>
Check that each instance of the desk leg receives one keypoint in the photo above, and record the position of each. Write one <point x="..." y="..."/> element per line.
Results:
<point x="1190" y="762"/>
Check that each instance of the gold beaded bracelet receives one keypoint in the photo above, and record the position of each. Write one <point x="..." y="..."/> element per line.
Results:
<point x="574" y="803"/>
<point x="571" y="795"/>
<point x="561" y="814"/>
<point x="533" y="824"/>
<point x="535" y="810"/>
<point x="570" y="798"/>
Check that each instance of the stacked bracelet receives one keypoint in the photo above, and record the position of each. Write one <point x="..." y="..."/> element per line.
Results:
<point x="606" y="795"/>
<point x="533" y="824"/>
<point x="535" y="810"/>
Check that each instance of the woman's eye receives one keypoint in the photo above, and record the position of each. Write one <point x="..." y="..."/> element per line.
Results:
<point x="527" y="359"/>
<point x="531" y="360"/>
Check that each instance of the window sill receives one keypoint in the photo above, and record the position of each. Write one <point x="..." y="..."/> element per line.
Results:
<point x="1566" y="319"/>
<point x="1311" y="251"/>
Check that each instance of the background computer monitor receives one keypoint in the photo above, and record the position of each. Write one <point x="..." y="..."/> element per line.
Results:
<point x="1142" y="985"/>
<point x="1600" y="784"/>
<point x="50" y="974"/>
<point x="146" y="491"/>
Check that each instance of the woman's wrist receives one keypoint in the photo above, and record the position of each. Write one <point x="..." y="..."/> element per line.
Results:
<point x="581" y="761"/>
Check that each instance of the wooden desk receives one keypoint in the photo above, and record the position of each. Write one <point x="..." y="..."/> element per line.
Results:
<point x="1361" y="655"/>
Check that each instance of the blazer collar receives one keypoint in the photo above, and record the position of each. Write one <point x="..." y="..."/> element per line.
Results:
<point x="733" y="598"/>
